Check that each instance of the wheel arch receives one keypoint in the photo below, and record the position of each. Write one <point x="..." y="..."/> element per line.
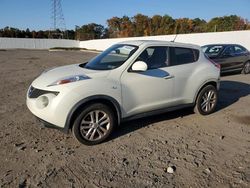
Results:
<point x="107" y="100"/>
<point x="243" y="66"/>
<point x="209" y="82"/>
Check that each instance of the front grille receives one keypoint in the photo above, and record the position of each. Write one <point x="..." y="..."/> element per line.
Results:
<point x="34" y="92"/>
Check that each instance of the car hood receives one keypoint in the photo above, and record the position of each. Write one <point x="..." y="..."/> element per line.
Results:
<point x="55" y="74"/>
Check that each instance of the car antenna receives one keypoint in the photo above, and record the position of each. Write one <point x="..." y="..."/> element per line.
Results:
<point x="174" y="38"/>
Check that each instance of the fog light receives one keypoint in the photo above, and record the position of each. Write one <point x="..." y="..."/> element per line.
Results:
<point x="42" y="102"/>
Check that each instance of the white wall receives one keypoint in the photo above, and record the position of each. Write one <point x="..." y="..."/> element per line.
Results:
<point x="237" y="37"/>
<point x="10" y="43"/>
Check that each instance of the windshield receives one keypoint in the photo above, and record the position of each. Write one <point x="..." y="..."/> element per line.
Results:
<point x="212" y="50"/>
<point x="111" y="58"/>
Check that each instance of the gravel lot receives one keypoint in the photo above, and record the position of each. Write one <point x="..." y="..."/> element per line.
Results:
<point x="211" y="151"/>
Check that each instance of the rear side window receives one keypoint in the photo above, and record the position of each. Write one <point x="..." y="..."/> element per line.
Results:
<point x="239" y="49"/>
<point x="229" y="50"/>
<point x="180" y="56"/>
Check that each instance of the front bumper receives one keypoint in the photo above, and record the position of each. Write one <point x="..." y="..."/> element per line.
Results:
<point x="51" y="126"/>
<point x="47" y="106"/>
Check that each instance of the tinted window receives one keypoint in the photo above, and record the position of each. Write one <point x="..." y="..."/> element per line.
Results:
<point x="239" y="49"/>
<point x="155" y="57"/>
<point x="179" y="56"/>
<point x="229" y="50"/>
<point x="212" y="50"/>
<point x="111" y="58"/>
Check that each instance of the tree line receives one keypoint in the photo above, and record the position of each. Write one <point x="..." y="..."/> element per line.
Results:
<point x="138" y="25"/>
<point x="17" y="33"/>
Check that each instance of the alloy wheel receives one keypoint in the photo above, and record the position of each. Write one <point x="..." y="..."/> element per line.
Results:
<point x="95" y="125"/>
<point x="208" y="101"/>
<point x="247" y="68"/>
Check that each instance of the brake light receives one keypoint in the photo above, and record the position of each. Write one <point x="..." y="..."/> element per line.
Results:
<point x="211" y="61"/>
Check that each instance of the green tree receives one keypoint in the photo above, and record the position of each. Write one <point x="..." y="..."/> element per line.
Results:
<point x="156" y="24"/>
<point x="167" y="25"/>
<point x="114" y="25"/>
<point x="139" y="25"/>
<point x="226" y="23"/>
<point x="183" y="25"/>
<point x="142" y="25"/>
<point x="91" y="31"/>
<point x="199" y="26"/>
<point x="126" y="27"/>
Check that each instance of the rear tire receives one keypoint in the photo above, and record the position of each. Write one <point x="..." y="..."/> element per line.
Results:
<point x="94" y="124"/>
<point x="246" y="68"/>
<point x="206" y="101"/>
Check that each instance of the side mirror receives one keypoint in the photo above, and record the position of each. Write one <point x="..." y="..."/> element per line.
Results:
<point x="139" y="66"/>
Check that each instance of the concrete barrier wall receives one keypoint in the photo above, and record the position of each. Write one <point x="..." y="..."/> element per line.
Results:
<point x="10" y="43"/>
<point x="237" y="37"/>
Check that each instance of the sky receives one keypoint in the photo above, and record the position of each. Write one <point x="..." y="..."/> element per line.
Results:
<point x="36" y="14"/>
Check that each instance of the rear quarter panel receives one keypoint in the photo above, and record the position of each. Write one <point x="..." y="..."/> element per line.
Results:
<point x="204" y="72"/>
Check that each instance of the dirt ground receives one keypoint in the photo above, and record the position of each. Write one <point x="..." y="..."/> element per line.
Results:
<point x="204" y="151"/>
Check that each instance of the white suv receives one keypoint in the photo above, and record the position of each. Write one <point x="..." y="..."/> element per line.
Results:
<point x="128" y="80"/>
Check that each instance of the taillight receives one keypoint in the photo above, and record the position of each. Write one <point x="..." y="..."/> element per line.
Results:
<point x="211" y="61"/>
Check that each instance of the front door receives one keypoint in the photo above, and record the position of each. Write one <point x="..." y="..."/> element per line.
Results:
<point x="150" y="90"/>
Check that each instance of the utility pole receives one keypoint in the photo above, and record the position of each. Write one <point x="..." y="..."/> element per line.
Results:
<point x="58" y="28"/>
<point x="76" y="32"/>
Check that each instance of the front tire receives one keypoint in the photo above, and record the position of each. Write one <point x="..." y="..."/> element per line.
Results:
<point x="246" y="68"/>
<point x="207" y="100"/>
<point x="94" y="124"/>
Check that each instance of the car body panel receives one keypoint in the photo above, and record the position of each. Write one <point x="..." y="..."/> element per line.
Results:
<point x="144" y="98"/>
<point x="231" y="61"/>
<point x="65" y="71"/>
<point x="69" y="95"/>
<point x="134" y="92"/>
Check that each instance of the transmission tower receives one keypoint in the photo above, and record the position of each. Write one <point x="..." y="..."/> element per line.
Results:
<point x="58" y="28"/>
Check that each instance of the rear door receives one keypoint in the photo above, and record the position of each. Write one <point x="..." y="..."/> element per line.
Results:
<point x="182" y="64"/>
<point x="227" y="59"/>
<point x="242" y="56"/>
<point x="231" y="59"/>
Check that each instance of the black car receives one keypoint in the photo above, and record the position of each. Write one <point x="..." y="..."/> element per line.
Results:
<point x="231" y="57"/>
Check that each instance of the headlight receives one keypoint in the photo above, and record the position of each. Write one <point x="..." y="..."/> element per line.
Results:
<point x="69" y="79"/>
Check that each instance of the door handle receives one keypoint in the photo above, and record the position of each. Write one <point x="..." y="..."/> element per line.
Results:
<point x="168" y="77"/>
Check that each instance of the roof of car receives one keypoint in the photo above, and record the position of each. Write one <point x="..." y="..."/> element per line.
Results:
<point x="219" y="44"/>
<point x="159" y="42"/>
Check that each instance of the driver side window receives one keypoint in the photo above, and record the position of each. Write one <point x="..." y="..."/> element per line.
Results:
<point x="155" y="57"/>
